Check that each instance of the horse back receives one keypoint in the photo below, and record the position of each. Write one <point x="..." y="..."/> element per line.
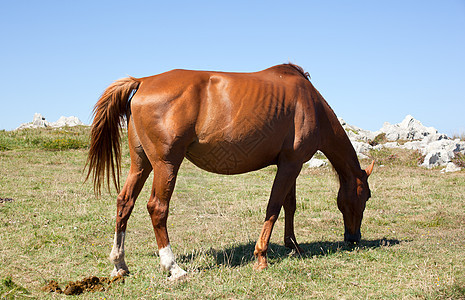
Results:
<point x="228" y="123"/>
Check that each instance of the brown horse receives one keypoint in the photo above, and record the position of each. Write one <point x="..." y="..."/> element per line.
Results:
<point x="226" y="123"/>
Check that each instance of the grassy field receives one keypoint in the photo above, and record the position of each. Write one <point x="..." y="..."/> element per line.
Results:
<point x="52" y="227"/>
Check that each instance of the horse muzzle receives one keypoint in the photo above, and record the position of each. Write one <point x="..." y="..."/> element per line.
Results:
<point x="352" y="238"/>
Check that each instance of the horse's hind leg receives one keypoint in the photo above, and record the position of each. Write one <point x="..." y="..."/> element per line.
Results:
<point x="165" y="172"/>
<point x="138" y="173"/>
<point x="289" y="211"/>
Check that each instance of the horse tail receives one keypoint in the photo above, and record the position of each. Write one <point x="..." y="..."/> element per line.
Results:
<point x="105" y="137"/>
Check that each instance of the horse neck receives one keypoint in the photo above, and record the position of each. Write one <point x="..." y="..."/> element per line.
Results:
<point x="342" y="156"/>
<point x="337" y="147"/>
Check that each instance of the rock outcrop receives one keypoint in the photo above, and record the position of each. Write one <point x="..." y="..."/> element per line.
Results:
<point x="438" y="149"/>
<point x="39" y="121"/>
<point x="408" y="129"/>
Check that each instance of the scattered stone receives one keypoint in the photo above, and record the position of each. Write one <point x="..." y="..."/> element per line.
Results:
<point x="450" y="167"/>
<point x="316" y="163"/>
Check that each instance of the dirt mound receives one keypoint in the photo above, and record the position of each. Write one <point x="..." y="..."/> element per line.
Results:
<point x="88" y="284"/>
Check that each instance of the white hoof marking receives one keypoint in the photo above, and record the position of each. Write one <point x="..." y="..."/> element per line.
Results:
<point x="168" y="263"/>
<point x="117" y="255"/>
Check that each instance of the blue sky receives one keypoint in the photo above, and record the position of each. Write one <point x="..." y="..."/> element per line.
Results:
<point x="373" y="61"/>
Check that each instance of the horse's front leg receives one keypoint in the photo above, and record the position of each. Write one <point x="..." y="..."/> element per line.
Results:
<point x="158" y="207"/>
<point x="289" y="211"/>
<point x="283" y="183"/>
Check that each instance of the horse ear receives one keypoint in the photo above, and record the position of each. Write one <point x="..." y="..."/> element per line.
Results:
<point x="370" y="168"/>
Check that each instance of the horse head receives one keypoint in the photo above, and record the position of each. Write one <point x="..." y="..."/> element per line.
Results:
<point x="351" y="200"/>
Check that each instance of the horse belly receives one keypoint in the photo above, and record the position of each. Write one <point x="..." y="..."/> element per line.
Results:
<point x="227" y="157"/>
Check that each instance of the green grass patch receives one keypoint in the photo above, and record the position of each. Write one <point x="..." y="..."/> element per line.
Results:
<point x="397" y="157"/>
<point x="11" y="290"/>
<point x="351" y="130"/>
<point x="45" y="138"/>
<point x="64" y="143"/>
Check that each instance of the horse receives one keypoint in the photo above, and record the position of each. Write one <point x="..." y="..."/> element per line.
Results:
<point x="225" y="123"/>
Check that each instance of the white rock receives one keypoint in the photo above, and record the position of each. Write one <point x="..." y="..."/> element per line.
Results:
<point x="414" y="145"/>
<point x="362" y="156"/>
<point x="450" y="167"/>
<point x="408" y="129"/>
<point x="356" y="133"/>
<point x="391" y="145"/>
<point x="438" y="149"/>
<point x="316" y="163"/>
<point x="436" y="158"/>
<point x="66" y="121"/>
<point x="437" y="153"/>
<point x="361" y="148"/>
<point x="24" y="126"/>
<point x="451" y="146"/>
<point x="435" y="137"/>
<point x="39" y="122"/>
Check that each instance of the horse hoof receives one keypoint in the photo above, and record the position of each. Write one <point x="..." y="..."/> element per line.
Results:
<point x="120" y="272"/>
<point x="180" y="276"/>
<point x="295" y="249"/>
<point x="294" y="253"/>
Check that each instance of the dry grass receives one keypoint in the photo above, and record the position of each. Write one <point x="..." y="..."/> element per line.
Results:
<point x="55" y="229"/>
<point x="460" y="136"/>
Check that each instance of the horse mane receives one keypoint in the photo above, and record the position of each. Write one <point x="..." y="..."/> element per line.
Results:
<point x="299" y="69"/>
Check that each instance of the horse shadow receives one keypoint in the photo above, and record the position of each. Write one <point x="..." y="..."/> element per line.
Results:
<point x="242" y="254"/>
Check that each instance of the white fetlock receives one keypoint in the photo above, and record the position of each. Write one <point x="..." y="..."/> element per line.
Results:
<point x="168" y="263"/>
<point x="117" y="256"/>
